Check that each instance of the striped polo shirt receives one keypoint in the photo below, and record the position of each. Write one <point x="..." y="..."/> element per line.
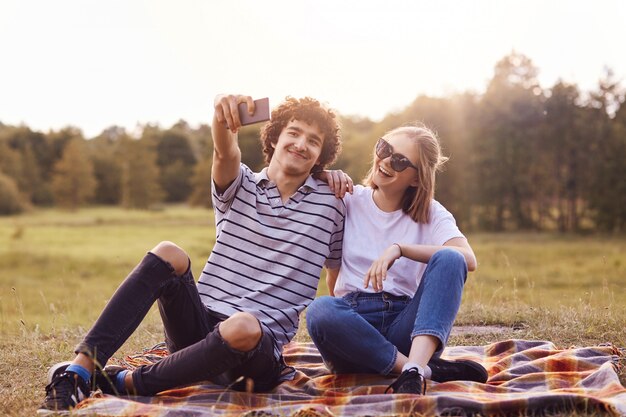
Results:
<point x="268" y="256"/>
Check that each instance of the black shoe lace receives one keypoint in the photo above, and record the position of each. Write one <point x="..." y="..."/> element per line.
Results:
<point x="407" y="376"/>
<point x="63" y="387"/>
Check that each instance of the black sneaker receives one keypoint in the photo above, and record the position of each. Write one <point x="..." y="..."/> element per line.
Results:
<point x="409" y="382"/>
<point x="461" y="370"/>
<point x="65" y="389"/>
<point x="105" y="381"/>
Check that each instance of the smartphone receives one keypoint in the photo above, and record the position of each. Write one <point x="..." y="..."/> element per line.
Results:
<point x="261" y="112"/>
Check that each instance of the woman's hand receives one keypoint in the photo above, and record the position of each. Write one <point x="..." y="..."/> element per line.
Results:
<point x="377" y="272"/>
<point x="338" y="181"/>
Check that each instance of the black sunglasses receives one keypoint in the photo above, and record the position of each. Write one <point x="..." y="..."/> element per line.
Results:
<point x="398" y="161"/>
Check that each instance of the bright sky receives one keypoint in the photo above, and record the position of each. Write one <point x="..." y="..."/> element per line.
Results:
<point x="92" y="64"/>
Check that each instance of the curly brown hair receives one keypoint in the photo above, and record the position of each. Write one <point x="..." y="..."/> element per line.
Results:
<point x="310" y="111"/>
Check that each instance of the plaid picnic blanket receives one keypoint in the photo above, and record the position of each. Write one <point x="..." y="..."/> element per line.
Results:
<point x="525" y="377"/>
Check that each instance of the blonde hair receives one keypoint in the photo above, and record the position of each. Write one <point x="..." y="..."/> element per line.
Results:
<point x="416" y="200"/>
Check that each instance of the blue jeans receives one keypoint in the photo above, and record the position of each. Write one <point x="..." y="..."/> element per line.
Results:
<point x="363" y="332"/>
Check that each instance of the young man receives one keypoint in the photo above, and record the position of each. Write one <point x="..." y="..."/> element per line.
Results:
<point x="275" y="230"/>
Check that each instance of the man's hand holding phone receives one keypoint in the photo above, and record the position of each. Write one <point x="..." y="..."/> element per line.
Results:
<point x="236" y="111"/>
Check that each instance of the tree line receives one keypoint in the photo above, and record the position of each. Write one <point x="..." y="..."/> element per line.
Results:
<point x="522" y="157"/>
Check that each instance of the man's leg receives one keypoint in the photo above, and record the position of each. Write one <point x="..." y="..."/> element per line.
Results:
<point x="229" y="345"/>
<point x="347" y="342"/>
<point x="260" y="372"/>
<point x="162" y="266"/>
<point x="185" y="318"/>
<point x="199" y="348"/>
<point x="119" y="319"/>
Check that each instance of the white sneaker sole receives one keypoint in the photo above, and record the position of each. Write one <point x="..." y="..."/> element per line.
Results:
<point x="54" y="368"/>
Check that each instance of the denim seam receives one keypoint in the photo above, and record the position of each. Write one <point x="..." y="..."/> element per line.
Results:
<point x="429" y="333"/>
<point x="130" y="324"/>
<point x="389" y="367"/>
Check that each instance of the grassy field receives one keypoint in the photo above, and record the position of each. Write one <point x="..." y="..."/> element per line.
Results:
<point x="58" y="269"/>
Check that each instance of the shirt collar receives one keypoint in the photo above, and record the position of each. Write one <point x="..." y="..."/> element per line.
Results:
<point x="261" y="177"/>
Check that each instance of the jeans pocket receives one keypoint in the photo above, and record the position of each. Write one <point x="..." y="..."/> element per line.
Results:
<point x="351" y="299"/>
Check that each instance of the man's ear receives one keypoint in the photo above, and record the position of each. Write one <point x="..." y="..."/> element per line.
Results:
<point x="319" y="161"/>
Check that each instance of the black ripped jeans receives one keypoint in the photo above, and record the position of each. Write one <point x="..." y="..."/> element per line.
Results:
<point x="197" y="350"/>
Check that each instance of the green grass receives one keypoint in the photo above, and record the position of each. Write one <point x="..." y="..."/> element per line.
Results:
<point x="565" y="288"/>
<point x="51" y="259"/>
<point x="534" y="268"/>
<point x="58" y="269"/>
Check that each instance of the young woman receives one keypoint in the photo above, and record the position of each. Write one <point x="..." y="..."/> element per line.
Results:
<point x="404" y="264"/>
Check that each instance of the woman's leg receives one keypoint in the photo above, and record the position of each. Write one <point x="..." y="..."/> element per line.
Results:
<point x="347" y="341"/>
<point x="424" y="326"/>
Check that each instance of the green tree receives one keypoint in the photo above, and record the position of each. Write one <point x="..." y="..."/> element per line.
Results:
<point x="58" y="141"/>
<point x="73" y="181"/>
<point x="108" y="174"/>
<point x="20" y="138"/>
<point x="173" y="145"/>
<point x="607" y="173"/>
<point x="176" y="180"/>
<point x="140" y="174"/>
<point x="610" y="196"/>
<point x="11" y="201"/>
<point x="201" y="183"/>
<point x="251" y="149"/>
<point x="505" y="144"/>
<point x="358" y="140"/>
<point x="37" y="161"/>
<point x="106" y="156"/>
<point x="201" y="141"/>
<point x="10" y="161"/>
<point x="175" y="158"/>
<point x="31" y="181"/>
<point x="567" y="147"/>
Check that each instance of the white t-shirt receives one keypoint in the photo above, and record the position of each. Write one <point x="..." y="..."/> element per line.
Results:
<point x="369" y="231"/>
